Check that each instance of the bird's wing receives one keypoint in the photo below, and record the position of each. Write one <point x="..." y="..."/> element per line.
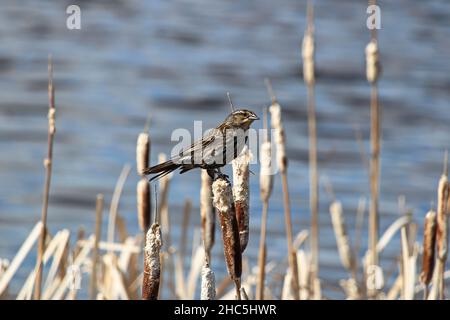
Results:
<point x="197" y="147"/>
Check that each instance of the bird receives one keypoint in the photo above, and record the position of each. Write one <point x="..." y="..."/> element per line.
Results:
<point x="214" y="150"/>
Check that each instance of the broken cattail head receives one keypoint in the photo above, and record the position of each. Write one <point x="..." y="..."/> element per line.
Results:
<point x="241" y="194"/>
<point x="266" y="177"/>
<point x="442" y="224"/>
<point x="308" y="57"/>
<point x="152" y="263"/>
<point x="343" y="243"/>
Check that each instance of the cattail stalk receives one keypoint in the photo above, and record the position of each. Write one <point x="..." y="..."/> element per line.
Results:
<point x="309" y="78"/>
<point x="184" y="230"/>
<point x="442" y="227"/>
<point x="98" y="233"/>
<point x="208" y="290"/>
<point x="373" y="69"/>
<point x="280" y="140"/>
<point x="152" y="263"/>
<point x="429" y="242"/>
<point x="241" y="194"/>
<point x="223" y="201"/>
<point x="143" y="187"/>
<point x="48" y="175"/>
<point x="266" y="184"/>
<point x="207" y="213"/>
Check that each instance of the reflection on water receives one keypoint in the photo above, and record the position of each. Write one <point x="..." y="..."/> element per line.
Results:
<point x="176" y="60"/>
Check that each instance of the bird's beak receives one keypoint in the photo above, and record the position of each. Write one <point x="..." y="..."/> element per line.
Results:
<point x="254" y="117"/>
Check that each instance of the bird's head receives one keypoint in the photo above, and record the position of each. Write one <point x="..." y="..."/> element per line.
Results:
<point x="241" y="119"/>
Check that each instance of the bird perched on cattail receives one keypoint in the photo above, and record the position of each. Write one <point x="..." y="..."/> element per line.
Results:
<point x="214" y="150"/>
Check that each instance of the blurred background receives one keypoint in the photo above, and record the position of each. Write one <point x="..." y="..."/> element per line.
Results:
<point x="176" y="60"/>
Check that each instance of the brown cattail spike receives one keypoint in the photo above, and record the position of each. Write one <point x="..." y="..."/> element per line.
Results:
<point x="429" y="241"/>
<point x="142" y="152"/>
<point x="144" y="204"/>
<point x="223" y="201"/>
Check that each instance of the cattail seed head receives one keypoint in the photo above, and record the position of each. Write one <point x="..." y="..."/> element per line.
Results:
<point x="208" y="291"/>
<point x="373" y="66"/>
<point x="308" y="57"/>
<point x="429" y="241"/>
<point x="223" y="201"/>
<point x="241" y="194"/>
<point x="442" y="227"/>
<point x="142" y="152"/>
<point x="280" y="139"/>
<point x="144" y="204"/>
<point x="343" y="243"/>
<point x="152" y="263"/>
<point x="266" y="177"/>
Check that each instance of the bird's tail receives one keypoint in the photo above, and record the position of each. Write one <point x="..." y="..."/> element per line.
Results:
<point x="161" y="169"/>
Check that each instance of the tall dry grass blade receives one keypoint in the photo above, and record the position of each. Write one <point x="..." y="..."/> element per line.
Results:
<point x="223" y="201"/>
<point x="207" y="213"/>
<point x="98" y="232"/>
<point x="114" y="208"/>
<point x="308" y="48"/>
<point x="280" y="141"/>
<point x="208" y="291"/>
<point x="20" y="256"/>
<point x="241" y="194"/>
<point x="48" y="175"/>
<point x="429" y="243"/>
<point x="152" y="263"/>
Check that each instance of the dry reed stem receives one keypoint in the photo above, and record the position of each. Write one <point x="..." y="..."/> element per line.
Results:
<point x="442" y="227"/>
<point x="208" y="291"/>
<point x="144" y="204"/>
<point x="20" y="256"/>
<point x="48" y="174"/>
<point x="184" y="230"/>
<point x="152" y="263"/>
<point x="241" y="194"/>
<point x="114" y="208"/>
<point x="266" y="185"/>
<point x="309" y="77"/>
<point x="280" y="139"/>
<point x="342" y="240"/>
<point x="142" y="152"/>
<point x="244" y="295"/>
<point x="223" y="201"/>
<point x="98" y="232"/>
<point x="207" y="213"/>
<point x="429" y="243"/>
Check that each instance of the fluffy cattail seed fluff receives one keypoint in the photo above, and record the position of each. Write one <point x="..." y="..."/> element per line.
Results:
<point x="442" y="227"/>
<point x="208" y="290"/>
<point x="152" y="263"/>
<point x="241" y="194"/>
<point x="142" y="152"/>
<point x="223" y="201"/>
<point x="429" y="241"/>
<point x="373" y="67"/>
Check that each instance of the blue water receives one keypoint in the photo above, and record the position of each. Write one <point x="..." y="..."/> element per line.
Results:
<point x="176" y="60"/>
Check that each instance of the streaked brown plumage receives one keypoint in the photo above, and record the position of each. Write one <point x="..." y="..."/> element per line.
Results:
<point x="216" y="148"/>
